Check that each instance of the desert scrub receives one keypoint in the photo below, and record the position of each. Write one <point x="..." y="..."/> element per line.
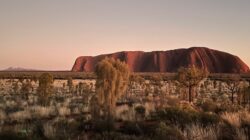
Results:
<point x="208" y="106"/>
<point x="41" y="112"/>
<point x="63" y="111"/>
<point x="8" y="135"/>
<point x="182" y="117"/>
<point x="20" y="116"/>
<point x="164" y="132"/>
<point x="236" y="118"/>
<point x="199" y="132"/>
<point x="2" y="116"/>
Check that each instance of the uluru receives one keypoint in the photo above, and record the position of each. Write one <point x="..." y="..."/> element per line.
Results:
<point x="213" y="61"/>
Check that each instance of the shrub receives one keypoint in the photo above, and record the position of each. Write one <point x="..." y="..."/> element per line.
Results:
<point x="63" y="111"/>
<point x="116" y="136"/>
<point x="131" y="128"/>
<point x="45" y="87"/>
<point x="2" y="115"/>
<point x="140" y="111"/>
<point x="104" y="125"/>
<point x="227" y="132"/>
<point x="182" y="117"/>
<point x="199" y="132"/>
<point x="172" y="101"/>
<point x="11" y="136"/>
<point x="177" y="116"/>
<point x="164" y="132"/>
<point x="43" y="112"/>
<point x="209" y="106"/>
<point x="20" y="116"/>
<point x="208" y="119"/>
<point x="232" y="118"/>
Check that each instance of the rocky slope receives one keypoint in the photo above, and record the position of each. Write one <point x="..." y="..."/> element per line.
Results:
<point x="169" y="61"/>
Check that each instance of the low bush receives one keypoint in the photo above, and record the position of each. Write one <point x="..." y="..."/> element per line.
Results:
<point x="206" y="119"/>
<point x="164" y="132"/>
<point x="104" y="125"/>
<point x="209" y="106"/>
<point x="11" y="136"/>
<point x="227" y="132"/>
<point x="131" y="128"/>
<point x="182" y="117"/>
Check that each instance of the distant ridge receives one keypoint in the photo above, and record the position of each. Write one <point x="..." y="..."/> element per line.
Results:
<point x="19" y="69"/>
<point x="169" y="61"/>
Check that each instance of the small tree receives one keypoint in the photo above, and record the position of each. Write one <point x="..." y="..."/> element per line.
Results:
<point x="45" y="87"/>
<point x="111" y="83"/>
<point x="84" y="88"/>
<point x="15" y="87"/>
<point x="190" y="78"/>
<point x="246" y="95"/>
<point x="26" y="88"/>
<point x="70" y="84"/>
<point x="233" y="85"/>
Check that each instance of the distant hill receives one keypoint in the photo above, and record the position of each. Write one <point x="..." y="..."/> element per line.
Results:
<point x="169" y="61"/>
<point x="19" y="69"/>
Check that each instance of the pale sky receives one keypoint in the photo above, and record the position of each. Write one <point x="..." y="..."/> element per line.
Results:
<point x="51" y="34"/>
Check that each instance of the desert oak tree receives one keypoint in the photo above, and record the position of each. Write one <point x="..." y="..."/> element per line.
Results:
<point x="190" y="77"/>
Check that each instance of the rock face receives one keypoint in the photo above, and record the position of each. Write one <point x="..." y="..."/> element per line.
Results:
<point x="169" y="61"/>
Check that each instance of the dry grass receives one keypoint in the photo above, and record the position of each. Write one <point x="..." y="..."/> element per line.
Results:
<point x="63" y="111"/>
<point x="43" y="112"/>
<point x="20" y="116"/>
<point x="197" y="132"/>
<point x="49" y="130"/>
<point x="232" y="118"/>
<point x="241" y="134"/>
<point x="2" y="115"/>
<point x="236" y="118"/>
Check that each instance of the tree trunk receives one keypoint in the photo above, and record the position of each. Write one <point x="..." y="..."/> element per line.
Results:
<point x="190" y="94"/>
<point x="232" y="98"/>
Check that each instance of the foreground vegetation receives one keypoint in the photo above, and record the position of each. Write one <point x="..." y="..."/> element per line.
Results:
<point x="117" y="105"/>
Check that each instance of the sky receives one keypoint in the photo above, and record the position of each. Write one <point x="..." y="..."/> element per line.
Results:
<point x="51" y="34"/>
